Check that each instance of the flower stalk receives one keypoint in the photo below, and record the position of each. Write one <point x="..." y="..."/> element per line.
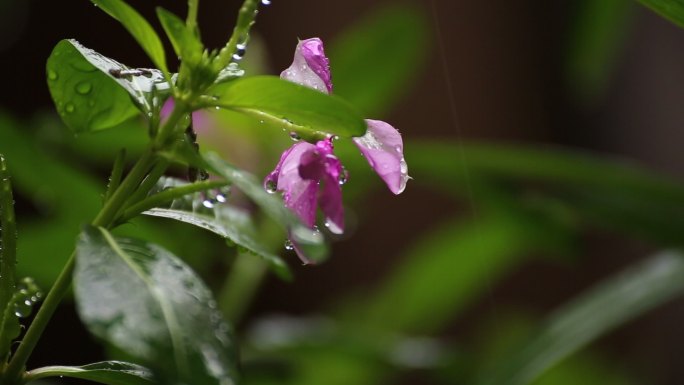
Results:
<point x="245" y="20"/>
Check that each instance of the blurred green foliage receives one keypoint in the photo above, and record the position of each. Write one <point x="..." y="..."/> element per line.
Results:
<point x="531" y="201"/>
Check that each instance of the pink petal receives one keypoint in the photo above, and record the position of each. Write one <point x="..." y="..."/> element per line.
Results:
<point x="310" y="66"/>
<point x="383" y="148"/>
<point x="299" y="194"/>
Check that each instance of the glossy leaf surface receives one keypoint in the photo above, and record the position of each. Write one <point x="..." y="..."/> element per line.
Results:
<point x="292" y="107"/>
<point x="219" y="217"/>
<point x="107" y="372"/>
<point x="87" y="97"/>
<point x="145" y="301"/>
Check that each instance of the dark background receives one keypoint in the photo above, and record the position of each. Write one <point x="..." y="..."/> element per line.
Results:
<point x="494" y="70"/>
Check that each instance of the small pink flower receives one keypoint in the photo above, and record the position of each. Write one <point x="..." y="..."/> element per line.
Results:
<point x="304" y="167"/>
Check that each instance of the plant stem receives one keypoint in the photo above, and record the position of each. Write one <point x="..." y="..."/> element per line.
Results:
<point x="241" y="285"/>
<point x="105" y="218"/>
<point x="117" y="173"/>
<point x="149" y="182"/>
<point x="191" y="21"/>
<point x="245" y="19"/>
<point x="167" y="196"/>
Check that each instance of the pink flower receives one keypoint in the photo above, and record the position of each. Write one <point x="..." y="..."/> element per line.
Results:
<point x="304" y="167"/>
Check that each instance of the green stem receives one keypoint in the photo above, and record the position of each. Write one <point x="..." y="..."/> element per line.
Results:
<point x="191" y="21"/>
<point x="245" y="19"/>
<point x="241" y="285"/>
<point x="117" y="173"/>
<point x="105" y="219"/>
<point x="127" y="187"/>
<point x="149" y="182"/>
<point x="169" y="195"/>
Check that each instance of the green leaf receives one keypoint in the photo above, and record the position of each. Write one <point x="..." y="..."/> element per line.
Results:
<point x="450" y="267"/>
<point x="601" y="309"/>
<point x="107" y="372"/>
<point x="597" y="32"/>
<point x="309" y="113"/>
<point x="607" y="191"/>
<point x="185" y="43"/>
<point x="147" y="302"/>
<point x="233" y="225"/>
<point x="230" y="222"/>
<point x="9" y="326"/>
<point x="374" y="62"/>
<point x="672" y="10"/>
<point x="137" y="26"/>
<point x="311" y="242"/>
<point x="86" y="96"/>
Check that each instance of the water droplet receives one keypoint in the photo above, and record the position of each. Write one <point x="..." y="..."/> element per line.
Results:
<point x="70" y="107"/>
<point x="271" y="186"/>
<point x="344" y="176"/>
<point x="266" y="2"/>
<point x="208" y="203"/>
<point x="295" y="136"/>
<point x="84" y="88"/>
<point x="335" y="229"/>
<point x="23" y="308"/>
<point x="397" y="149"/>
<point x="289" y="245"/>
<point x="220" y="198"/>
<point x="52" y="75"/>
<point x="217" y="108"/>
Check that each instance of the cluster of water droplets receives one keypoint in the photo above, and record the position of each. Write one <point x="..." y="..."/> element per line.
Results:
<point x="214" y="197"/>
<point x="240" y="48"/>
<point x="25" y="297"/>
<point x="192" y="202"/>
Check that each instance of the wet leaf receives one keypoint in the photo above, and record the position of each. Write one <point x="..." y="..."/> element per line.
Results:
<point x="232" y="223"/>
<point x="145" y="301"/>
<point x="309" y="113"/>
<point x="85" y="94"/>
<point x="137" y="26"/>
<point x="107" y="372"/>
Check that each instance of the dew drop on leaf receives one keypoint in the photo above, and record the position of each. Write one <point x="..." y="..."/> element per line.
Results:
<point x="84" y="88"/>
<point x="52" y="75"/>
<point x="69" y="107"/>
